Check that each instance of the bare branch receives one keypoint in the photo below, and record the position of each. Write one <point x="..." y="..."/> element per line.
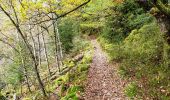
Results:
<point x="65" y="14"/>
<point x="5" y="56"/>
<point x="5" y="42"/>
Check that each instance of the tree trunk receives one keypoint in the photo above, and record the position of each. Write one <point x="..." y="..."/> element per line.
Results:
<point x="16" y="25"/>
<point x="26" y="74"/>
<point x="22" y="58"/>
<point x="33" y="42"/>
<point x="46" y="54"/>
<point x="56" y="47"/>
<point x="60" y="52"/>
<point x="39" y="48"/>
<point x="27" y="81"/>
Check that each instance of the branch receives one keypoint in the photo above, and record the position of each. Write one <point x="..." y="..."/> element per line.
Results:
<point x="63" y="15"/>
<point x="10" y="45"/>
<point x="15" y="13"/>
<point x="20" y="32"/>
<point x="5" y="56"/>
<point x="7" y="37"/>
<point x="165" y="9"/>
<point x="7" y="14"/>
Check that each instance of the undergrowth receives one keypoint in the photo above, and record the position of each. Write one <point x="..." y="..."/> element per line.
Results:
<point x="70" y="86"/>
<point x="137" y="43"/>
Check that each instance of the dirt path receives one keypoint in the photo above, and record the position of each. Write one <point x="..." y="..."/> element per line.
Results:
<point x="103" y="83"/>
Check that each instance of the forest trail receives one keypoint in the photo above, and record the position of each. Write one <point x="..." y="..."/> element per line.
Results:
<point x="103" y="82"/>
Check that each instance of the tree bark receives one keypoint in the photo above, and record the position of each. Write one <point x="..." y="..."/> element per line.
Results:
<point x="60" y="52"/>
<point x="33" y="43"/>
<point x="26" y="78"/>
<point x="56" y="46"/>
<point x="25" y="72"/>
<point x="29" y="48"/>
<point x="46" y="54"/>
<point x="39" y="48"/>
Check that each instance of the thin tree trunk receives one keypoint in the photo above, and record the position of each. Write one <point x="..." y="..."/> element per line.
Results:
<point x="39" y="48"/>
<point x="60" y="52"/>
<point x="33" y="42"/>
<point x="16" y="25"/>
<point x="24" y="67"/>
<point x="46" y="54"/>
<point x="56" y="47"/>
<point x="26" y="78"/>
<point x="27" y="81"/>
<point x="25" y="73"/>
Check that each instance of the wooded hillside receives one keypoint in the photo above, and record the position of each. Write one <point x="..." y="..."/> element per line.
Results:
<point x="50" y="49"/>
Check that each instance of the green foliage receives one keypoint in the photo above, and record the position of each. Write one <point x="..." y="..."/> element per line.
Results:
<point x="133" y="37"/>
<point x="94" y="25"/>
<point x="125" y="17"/>
<point x="72" y="83"/>
<point x="83" y="67"/>
<point x="72" y="93"/>
<point x="92" y="21"/>
<point x="62" y="79"/>
<point x="14" y="70"/>
<point x="142" y="54"/>
<point x="68" y="28"/>
<point x="144" y="44"/>
<point x="98" y="5"/>
<point x="129" y="7"/>
<point x="1" y="96"/>
<point x="135" y="22"/>
<point x="109" y="48"/>
<point x="143" y="57"/>
<point x="79" y="45"/>
<point x="131" y="90"/>
<point x="71" y="96"/>
<point x="15" y="75"/>
<point x="91" y="28"/>
<point x="87" y="58"/>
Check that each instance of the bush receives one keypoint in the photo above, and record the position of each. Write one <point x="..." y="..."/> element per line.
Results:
<point x="83" y="67"/>
<point x="144" y="44"/>
<point x="133" y="37"/>
<point x="68" y="28"/>
<point x="137" y="21"/>
<point x="125" y="18"/>
<point x="144" y="57"/>
<point x="90" y="28"/>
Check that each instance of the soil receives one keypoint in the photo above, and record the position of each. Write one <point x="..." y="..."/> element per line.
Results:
<point x="103" y="82"/>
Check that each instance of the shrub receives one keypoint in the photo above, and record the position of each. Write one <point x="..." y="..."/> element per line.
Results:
<point x="133" y="37"/>
<point x="126" y="17"/>
<point x="145" y="44"/>
<point x="144" y="57"/>
<point x="90" y="28"/>
<point x="68" y="28"/>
